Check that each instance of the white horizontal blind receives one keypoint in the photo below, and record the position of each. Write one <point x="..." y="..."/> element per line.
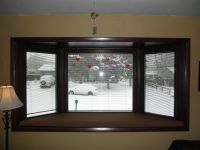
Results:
<point x="40" y="83"/>
<point x="100" y="82"/>
<point x="159" y="83"/>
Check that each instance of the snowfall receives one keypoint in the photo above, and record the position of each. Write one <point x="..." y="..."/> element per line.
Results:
<point x="117" y="98"/>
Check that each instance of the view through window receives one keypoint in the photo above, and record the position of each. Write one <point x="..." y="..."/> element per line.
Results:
<point x="159" y="83"/>
<point x="100" y="82"/>
<point x="40" y="84"/>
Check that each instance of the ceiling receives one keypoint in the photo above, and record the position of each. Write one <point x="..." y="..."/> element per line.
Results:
<point x="134" y="7"/>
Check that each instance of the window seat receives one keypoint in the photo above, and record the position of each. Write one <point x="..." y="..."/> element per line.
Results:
<point x="101" y="122"/>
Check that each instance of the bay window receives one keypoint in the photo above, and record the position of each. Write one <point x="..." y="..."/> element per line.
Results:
<point x="86" y="84"/>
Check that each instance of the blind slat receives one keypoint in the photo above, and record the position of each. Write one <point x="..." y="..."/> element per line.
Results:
<point x="40" y="84"/>
<point x="159" y="83"/>
<point x="100" y="82"/>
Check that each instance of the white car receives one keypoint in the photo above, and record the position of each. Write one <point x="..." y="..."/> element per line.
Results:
<point x="83" y="89"/>
<point x="47" y="81"/>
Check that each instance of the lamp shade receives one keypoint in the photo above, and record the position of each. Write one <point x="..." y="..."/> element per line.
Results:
<point x="8" y="98"/>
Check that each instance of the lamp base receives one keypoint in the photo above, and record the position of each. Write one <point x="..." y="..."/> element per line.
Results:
<point x="6" y="121"/>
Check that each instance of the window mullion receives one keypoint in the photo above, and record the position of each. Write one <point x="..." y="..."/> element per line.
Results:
<point x="61" y="85"/>
<point x="139" y="87"/>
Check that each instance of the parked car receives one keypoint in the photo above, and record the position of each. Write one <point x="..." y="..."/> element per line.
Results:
<point x="83" y="89"/>
<point x="47" y="81"/>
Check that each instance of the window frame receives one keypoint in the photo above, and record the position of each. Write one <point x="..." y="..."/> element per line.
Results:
<point x="48" y="50"/>
<point x="18" y="46"/>
<point x="100" y="50"/>
<point x="159" y="49"/>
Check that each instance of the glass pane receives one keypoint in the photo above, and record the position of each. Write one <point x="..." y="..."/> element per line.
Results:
<point x="159" y="83"/>
<point x="100" y="82"/>
<point x="40" y="83"/>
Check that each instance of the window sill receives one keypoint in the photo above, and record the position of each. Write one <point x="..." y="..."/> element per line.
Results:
<point x="100" y="122"/>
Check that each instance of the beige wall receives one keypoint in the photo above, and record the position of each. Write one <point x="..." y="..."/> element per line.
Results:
<point x="108" y="26"/>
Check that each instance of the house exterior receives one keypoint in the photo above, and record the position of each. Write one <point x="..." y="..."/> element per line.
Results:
<point x="47" y="69"/>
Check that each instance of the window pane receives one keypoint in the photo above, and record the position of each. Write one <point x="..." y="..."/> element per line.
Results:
<point x="100" y="82"/>
<point x="159" y="83"/>
<point x="40" y="84"/>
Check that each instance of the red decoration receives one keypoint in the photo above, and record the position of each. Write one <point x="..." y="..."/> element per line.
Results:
<point x="89" y="66"/>
<point x="127" y="65"/>
<point x="107" y="58"/>
<point x="78" y="59"/>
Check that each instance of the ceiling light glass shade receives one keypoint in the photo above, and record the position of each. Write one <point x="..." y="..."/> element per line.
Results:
<point x="8" y="98"/>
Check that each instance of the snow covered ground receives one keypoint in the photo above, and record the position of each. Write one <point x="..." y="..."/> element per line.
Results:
<point x="118" y="97"/>
<point x="39" y="100"/>
<point x="159" y="101"/>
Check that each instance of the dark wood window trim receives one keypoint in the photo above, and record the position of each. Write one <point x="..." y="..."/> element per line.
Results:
<point x="136" y="121"/>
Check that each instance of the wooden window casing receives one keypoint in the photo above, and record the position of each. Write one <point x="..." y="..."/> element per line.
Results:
<point x="137" y="120"/>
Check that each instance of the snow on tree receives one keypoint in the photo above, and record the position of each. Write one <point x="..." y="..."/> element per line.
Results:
<point x="88" y="67"/>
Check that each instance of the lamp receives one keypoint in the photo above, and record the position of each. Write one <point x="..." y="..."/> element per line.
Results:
<point x="8" y="101"/>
